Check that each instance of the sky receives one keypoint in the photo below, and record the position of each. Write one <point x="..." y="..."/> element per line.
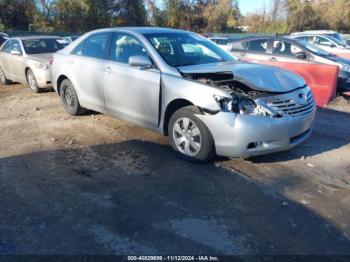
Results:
<point x="249" y="6"/>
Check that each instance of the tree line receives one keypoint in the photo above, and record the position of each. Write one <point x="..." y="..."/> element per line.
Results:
<point x="85" y="15"/>
<point x="286" y="16"/>
<point x="279" y="16"/>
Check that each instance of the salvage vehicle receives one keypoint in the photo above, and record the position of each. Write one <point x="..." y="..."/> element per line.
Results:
<point x="327" y="43"/>
<point x="333" y="34"/>
<point x="184" y="86"/>
<point x="282" y="49"/>
<point x="26" y="60"/>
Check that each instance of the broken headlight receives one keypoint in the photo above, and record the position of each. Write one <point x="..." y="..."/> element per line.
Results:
<point x="240" y="105"/>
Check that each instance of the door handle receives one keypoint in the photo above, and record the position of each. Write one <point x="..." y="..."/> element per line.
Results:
<point x="107" y="70"/>
<point x="243" y="54"/>
<point x="273" y="59"/>
<point x="70" y="62"/>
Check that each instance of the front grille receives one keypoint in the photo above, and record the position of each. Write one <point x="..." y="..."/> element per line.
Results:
<point x="292" y="106"/>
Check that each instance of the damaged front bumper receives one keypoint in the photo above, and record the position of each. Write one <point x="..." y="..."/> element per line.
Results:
<point x="237" y="135"/>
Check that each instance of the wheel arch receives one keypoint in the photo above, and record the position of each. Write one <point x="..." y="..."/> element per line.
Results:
<point x="171" y="108"/>
<point x="26" y="69"/>
<point x="59" y="81"/>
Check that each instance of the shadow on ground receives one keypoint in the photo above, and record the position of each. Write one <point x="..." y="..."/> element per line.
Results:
<point x="137" y="198"/>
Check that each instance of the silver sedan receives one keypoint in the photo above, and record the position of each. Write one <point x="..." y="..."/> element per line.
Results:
<point x="182" y="85"/>
<point x="26" y="60"/>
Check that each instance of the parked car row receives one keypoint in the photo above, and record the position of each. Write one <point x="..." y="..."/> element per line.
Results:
<point x="290" y="50"/>
<point x="309" y="47"/>
<point x="176" y="83"/>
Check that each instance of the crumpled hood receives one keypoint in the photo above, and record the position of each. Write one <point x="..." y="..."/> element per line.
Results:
<point x="45" y="58"/>
<point x="256" y="76"/>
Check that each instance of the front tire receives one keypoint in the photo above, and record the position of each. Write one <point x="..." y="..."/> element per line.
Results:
<point x="190" y="137"/>
<point x="69" y="99"/>
<point x="32" y="83"/>
<point x="3" y="79"/>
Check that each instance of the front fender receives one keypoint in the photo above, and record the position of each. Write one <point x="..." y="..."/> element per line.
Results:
<point x="198" y="94"/>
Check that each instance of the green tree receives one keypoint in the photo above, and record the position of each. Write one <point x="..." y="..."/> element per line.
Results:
<point x="302" y="15"/>
<point x="155" y="16"/>
<point x="16" y="14"/>
<point x="129" y="13"/>
<point x="222" y="15"/>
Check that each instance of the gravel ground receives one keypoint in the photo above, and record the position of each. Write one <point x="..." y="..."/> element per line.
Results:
<point x="97" y="185"/>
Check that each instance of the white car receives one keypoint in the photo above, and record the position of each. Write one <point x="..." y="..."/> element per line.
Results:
<point x="331" y="33"/>
<point x="26" y="60"/>
<point x="223" y="42"/>
<point x="325" y="42"/>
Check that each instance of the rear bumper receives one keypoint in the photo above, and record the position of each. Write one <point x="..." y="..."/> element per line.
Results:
<point x="246" y="135"/>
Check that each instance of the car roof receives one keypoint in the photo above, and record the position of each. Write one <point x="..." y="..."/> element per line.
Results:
<point x="316" y="32"/>
<point x="219" y="38"/>
<point x="320" y="35"/>
<point x="32" y="37"/>
<point x="265" y="37"/>
<point x="141" y="30"/>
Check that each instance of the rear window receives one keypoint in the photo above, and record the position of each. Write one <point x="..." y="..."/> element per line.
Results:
<point x="40" y="46"/>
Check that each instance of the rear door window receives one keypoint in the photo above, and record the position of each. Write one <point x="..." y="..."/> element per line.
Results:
<point x="240" y="45"/>
<point x="260" y="45"/>
<point x="95" y="46"/>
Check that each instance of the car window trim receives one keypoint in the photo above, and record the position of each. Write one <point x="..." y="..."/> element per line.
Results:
<point x="141" y="43"/>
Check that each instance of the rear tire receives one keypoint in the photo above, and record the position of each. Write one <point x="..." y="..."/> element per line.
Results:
<point x="190" y="137"/>
<point x="32" y="83"/>
<point x="69" y="99"/>
<point x="3" y="79"/>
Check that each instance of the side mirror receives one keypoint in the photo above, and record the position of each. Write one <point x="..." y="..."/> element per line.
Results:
<point x="16" y="52"/>
<point x="301" y="55"/>
<point x="140" y="61"/>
